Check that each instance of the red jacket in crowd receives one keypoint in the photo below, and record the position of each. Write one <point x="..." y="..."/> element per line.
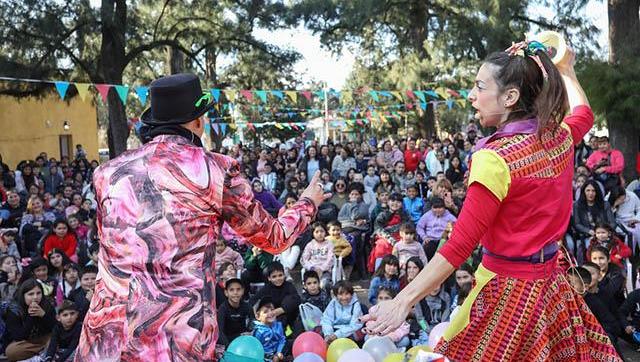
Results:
<point x="67" y="244"/>
<point x="616" y="161"/>
<point x="618" y="250"/>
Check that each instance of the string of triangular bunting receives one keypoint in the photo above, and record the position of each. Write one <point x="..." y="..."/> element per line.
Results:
<point x="262" y="96"/>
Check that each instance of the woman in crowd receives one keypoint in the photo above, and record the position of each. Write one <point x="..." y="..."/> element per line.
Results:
<point x="589" y="210"/>
<point x="35" y="224"/>
<point x="312" y="162"/>
<point x="29" y="322"/>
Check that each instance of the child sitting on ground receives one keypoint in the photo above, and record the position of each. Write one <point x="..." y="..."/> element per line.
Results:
<point x="66" y="334"/>
<point x="283" y="294"/>
<point x="399" y="336"/>
<point x="269" y="331"/>
<point x="605" y="237"/>
<point x="312" y="293"/>
<point x="434" y="309"/>
<point x="318" y="255"/>
<point x="408" y="246"/>
<point x="71" y="282"/>
<point x="82" y="296"/>
<point x="341" y="319"/>
<point x="343" y="246"/>
<point x="234" y="315"/>
<point x="226" y="254"/>
<point x="386" y="276"/>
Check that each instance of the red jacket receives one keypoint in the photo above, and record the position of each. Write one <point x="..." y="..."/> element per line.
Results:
<point x="67" y="244"/>
<point x="411" y="159"/>
<point x="618" y="250"/>
<point x="616" y="164"/>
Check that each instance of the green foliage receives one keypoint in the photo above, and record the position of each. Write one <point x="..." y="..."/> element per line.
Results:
<point x="613" y="89"/>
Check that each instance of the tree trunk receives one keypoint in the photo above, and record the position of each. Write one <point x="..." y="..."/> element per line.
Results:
<point x="624" y="47"/>
<point x="175" y="61"/>
<point x="418" y="18"/>
<point x="111" y="66"/>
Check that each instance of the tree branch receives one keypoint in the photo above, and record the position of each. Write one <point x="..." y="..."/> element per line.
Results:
<point x="155" y="28"/>
<point x="540" y="23"/>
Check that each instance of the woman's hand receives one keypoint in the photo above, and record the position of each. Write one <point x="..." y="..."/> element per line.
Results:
<point x="386" y="316"/>
<point x="565" y="67"/>
<point x="35" y="310"/>
<point x="315" y="190"/>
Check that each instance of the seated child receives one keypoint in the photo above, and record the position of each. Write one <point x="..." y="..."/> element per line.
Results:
<point x="256" y="261"/>
<point x="70" y="282"/>
<point x="269" y="331"/>
<point x="7" y="243"/>
<point x="582" y="282"/>
<point x="82" y="296"/>
<point x="401" y="335"/>
<point x="66" y="334"/>
<point x="283" y="294"/>
<point x="10" y="284"/>
<point x="226" y="254"/>
<point x="434" y="309"/>
<point x="312" y="293"/>
<point x="234" y="315"/>
<point x="225" y="272"/>
<point x="605" y="237"/>
<point x="94" y="249"/>
<point x="341" y="319"/>
<point x="343" y="246"/>
<point x="386" y="276"/>
<point x="318" y="255"/>
<point x="408" y="246"/>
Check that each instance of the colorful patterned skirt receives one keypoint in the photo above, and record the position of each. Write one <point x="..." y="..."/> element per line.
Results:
<point x="509" y="319"/>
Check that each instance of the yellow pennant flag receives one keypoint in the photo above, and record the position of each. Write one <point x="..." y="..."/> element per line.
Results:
<point x="442" y="92"/>
<point x="293" y="95"/>
<point x="346" y="96"/>
<point x="461" y="102"/>
<point x="230" y="94"/>
<point x="83" y="89"/>
<point x="397" y="95"/>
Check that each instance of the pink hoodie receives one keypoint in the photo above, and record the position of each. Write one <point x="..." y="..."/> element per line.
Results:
<point x="231" y="256"/>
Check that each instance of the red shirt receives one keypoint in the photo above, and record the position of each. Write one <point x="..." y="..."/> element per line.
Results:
<point x="411" y="159"/>
<point x="67" y="244"/>
<point x="519" y="197"/>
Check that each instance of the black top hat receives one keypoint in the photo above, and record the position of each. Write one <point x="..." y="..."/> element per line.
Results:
<point x="176" y="99"/>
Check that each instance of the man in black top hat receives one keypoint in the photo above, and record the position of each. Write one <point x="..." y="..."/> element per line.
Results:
<point x="160" y="210"/>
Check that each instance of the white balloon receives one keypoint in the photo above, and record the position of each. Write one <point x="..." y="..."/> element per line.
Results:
<point x="379" y="347"/>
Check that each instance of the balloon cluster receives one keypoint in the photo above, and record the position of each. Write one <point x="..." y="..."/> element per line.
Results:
<point x="311" y="347"/>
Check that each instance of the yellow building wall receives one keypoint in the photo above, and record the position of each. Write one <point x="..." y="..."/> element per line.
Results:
<point x="30" y="125"/>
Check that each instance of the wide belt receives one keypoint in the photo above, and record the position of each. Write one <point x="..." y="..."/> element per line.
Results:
<point x="545" y="254"/>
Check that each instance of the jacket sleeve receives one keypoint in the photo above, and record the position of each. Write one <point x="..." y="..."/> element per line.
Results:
<point x="354" y="324"/>
<point x="617" y="162"/>
<point x="346" y="248"/>
<point x="421" y="227"/>
<point x="327" y="320"/>
<point x="53" y="344"/>
<point x="402" y="331"/>
<point x="373" y="290"/>
<point x="281" y="339"/>
<point x="592" y="160"/>
<point x="249" y="219"/>
<point x="304" y="260"/>
<point x="222" y="337"/>
<point x="577" y="220"/>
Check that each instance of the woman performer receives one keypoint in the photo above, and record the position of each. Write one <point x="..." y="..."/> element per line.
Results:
<point x="518" y="205"/>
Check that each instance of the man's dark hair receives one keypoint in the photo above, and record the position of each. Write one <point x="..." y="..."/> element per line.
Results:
<point x="274" y="267"/>
<point x="310" y="274"/>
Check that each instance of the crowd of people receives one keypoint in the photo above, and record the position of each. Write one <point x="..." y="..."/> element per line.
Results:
<point x="394" y="203"/>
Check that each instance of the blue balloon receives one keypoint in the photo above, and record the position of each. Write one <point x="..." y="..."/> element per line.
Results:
<point x="308" y="357"/>
<point x="244" y="349"/>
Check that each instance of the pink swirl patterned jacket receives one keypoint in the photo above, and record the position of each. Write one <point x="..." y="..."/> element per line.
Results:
<point x="160" y="209"/>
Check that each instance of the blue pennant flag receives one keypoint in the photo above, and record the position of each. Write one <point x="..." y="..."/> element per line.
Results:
<point x="385" y="93"/>
<point x="223" y="128"/>
<point x="62" y="87"/>
<point x="142" y="93"/>
<point x="215" y="93"/>
<point x="278" y="94"/>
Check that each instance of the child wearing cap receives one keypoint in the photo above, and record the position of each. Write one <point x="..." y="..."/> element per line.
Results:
<point x="66" y="334"/>
<point x="234" y="315"/>
<point x="268" y="330"/>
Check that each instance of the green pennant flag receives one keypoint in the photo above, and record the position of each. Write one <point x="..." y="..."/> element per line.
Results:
<point x="122" y="90"/>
